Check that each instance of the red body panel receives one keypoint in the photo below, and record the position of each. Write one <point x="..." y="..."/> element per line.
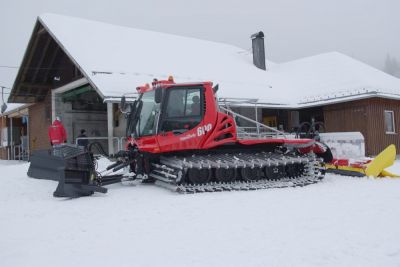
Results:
<point x="306" y="143"/>
<point x="215" y="129"/>
<point x="147" y="143"/>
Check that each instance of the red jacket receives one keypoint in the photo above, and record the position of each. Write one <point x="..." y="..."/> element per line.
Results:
<point x="57" y="133"/>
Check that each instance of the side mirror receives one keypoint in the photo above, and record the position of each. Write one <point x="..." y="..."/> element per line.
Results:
<point x="123" y="103"/>
<point x="129" y="110"/>
<point x="215" y="88"/>
<point x="158" y="96"/>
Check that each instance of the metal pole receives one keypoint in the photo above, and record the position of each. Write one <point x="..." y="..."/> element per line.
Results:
<point x="253" y="121"/>
<point x="53" y="105"/>
<point x="119" y="142"/>
<point x="28" y="138"/>
<point x="110" y="128"/>
<point x="11" y="138"/>
<point x="258" y="127"/>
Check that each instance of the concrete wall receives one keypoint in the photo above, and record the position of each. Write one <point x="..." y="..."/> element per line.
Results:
<point x="3" y="150"/>
<point x="94" y="122"/>
<point x="2" y="126"/>
<point x="39" y="122"/>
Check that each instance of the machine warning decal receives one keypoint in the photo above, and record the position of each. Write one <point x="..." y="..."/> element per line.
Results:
<point x="202" y="130"/>
<point x="187" y="137"/>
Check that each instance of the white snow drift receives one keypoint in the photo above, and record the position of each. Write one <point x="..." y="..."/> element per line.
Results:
<point x="341" y="221"/>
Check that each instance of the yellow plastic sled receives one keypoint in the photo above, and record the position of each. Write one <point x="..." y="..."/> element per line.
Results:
<point x="374" y="168"/>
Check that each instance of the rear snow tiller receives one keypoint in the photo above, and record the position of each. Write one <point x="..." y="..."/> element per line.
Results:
<point x="180" y="138"/>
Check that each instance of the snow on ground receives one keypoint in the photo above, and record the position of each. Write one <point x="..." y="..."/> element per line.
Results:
<point x="341" y="221"/>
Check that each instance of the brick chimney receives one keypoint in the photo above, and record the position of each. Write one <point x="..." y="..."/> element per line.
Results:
<point x="257" y="40"/>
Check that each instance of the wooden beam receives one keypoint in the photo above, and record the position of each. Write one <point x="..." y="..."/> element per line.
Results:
<point x="25" y="99"/>
<point x="30" y="56"/>
<point x="52" y="60"/>
<point x="40" y="62"/>
<point x="26" y="61"/>
<point x="28" y="92"/>
<point x="41" y="30"/>
<point x="36" y="85"/>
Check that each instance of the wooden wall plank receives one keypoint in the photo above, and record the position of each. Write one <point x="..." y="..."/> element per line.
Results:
<point x="367" y="117"/>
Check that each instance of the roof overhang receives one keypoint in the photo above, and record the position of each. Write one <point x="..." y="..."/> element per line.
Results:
<point x="349" y="98"/>
<point x="45" y="66"/>
<point x="112" y="67"/>
<point x="20" y="111"/>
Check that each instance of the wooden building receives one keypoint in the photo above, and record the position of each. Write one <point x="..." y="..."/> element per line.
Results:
<point x="14" y="132"/>
<point x="79" y="69"/>
<point x="378" y="119"/>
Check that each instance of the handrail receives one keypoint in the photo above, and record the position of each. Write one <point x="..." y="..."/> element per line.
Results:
<point x="119" y="140"/>
<point x="16" y="148"/>
<point x="16" y="152"/>
<point x="253" y="121"/>
<point x="99" y="138"/>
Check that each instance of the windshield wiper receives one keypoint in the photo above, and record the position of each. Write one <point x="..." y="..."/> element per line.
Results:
<point x="133" y="117"/>
<point x="136" y="118"/>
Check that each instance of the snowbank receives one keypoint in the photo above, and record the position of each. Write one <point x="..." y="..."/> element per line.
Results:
<point x="341" y="221"/>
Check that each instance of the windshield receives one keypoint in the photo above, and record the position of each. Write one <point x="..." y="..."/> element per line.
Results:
<point x="147" y="116"/>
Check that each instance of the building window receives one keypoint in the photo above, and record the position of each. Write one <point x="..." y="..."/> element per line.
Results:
<point x="389" y="122"/>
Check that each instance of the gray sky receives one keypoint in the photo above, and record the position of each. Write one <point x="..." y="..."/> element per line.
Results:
<point x="365" y="29"/>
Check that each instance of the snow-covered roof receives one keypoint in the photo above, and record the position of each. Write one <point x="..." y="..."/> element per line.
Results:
<point x="12" y="108"/>
<point x="117" y="59"/>
<point x="330" y="78"/>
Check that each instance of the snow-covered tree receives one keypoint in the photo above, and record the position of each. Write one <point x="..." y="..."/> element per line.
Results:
<point x="391" y="66"/>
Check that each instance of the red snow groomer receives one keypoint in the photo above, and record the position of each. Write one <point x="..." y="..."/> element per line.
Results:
<point x="180" y="138"/>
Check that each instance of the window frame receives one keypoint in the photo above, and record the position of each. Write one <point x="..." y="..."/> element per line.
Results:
<point x="164" y="105"/>
<point x="140" y="132"/>
<point x="393" y="121"/>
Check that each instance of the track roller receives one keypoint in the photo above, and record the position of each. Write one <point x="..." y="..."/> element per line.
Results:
<point x="251" y="174"/>
<point x="299" y="169"/>
<point x="291" y="170"/>
<point x="274" y="172"/>
<point x="225" y="175"/>
<point x="199" y="176"/>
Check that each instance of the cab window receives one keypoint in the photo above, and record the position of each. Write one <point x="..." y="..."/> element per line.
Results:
<point x="147" y="115"/>
<point x="182" y="110"/>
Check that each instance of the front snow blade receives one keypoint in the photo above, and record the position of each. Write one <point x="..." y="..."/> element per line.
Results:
<point x="71" y="166"/>
<point x="76" y="183"/>
<point x="77" y="177"/>
<point x="45" y="165"/>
